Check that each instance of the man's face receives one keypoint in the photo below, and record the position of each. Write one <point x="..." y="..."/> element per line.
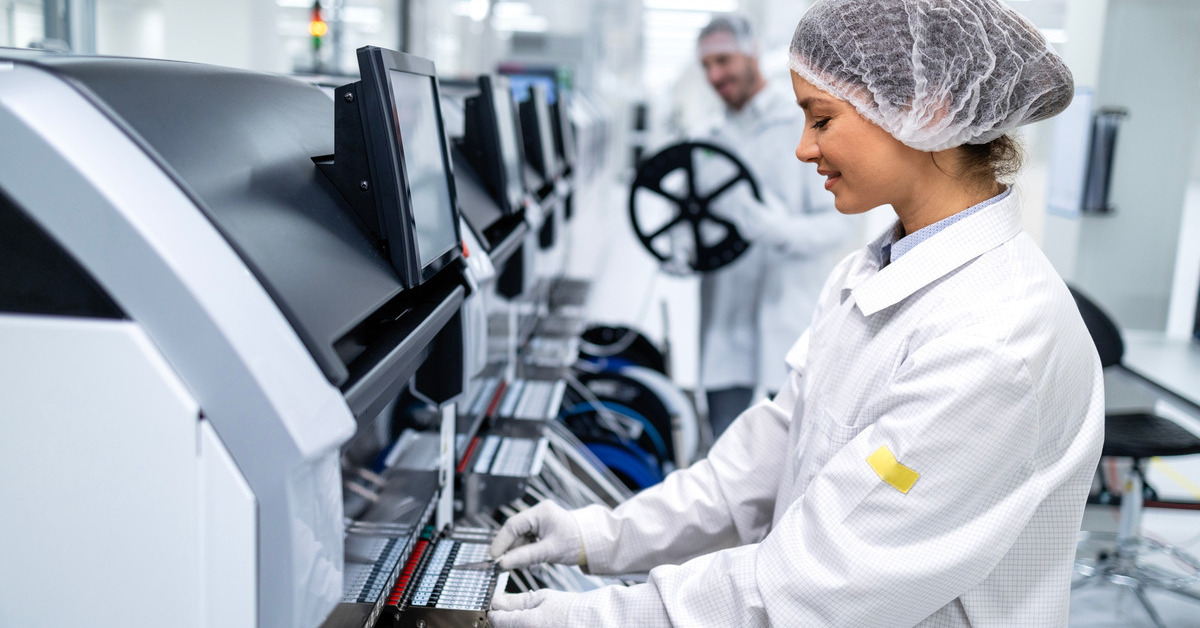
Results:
<point x="732" y="74"/>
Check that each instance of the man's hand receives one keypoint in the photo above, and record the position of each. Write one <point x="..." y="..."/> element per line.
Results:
<point x="683" y="251"/>
<point x="677" y="268"/>
<point x="750" y="216"/>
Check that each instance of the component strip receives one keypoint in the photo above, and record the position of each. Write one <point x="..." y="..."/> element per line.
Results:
<point x="366" y="581"/>
<point x="407" y="572"/>
<point x="444" y="586"/>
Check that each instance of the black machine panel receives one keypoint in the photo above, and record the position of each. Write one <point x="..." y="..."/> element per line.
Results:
<point x="493" y="141"/>
<point x="564" y="132"/>
<point x="38" y="277"/>
<point x="242" y="144"/>
<point x="537" y="129"/>
<point x="1196" y="325"/>
<point x="488" y="157"/>
<point x="480" y="210"/>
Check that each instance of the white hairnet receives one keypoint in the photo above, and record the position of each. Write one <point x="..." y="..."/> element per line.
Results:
<point x="728" y="32"/>
<point x="935" y="74"/>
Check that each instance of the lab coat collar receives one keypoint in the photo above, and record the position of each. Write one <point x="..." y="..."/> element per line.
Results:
<point x="768" y="106"/>
<point x="933" y="259"/>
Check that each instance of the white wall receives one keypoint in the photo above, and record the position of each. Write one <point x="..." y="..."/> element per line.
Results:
<point x="5" y="24"/>
<point x="1141" y="262"/>
<point x="1150" y="66"/>
<point x="1082" y="53"/>
<point x="21" y="22"/>
<point x="250" y="34"/>
<point x="234" y="33"/>
<point x="130" y="28"/>
<point x="1186" y="286"/>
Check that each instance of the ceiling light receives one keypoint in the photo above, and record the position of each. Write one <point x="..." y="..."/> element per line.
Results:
<point x="718" y="6"/>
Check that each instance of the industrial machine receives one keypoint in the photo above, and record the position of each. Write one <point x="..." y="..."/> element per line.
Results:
<point x="281" y="355"/>
<point x="218" y="287"/>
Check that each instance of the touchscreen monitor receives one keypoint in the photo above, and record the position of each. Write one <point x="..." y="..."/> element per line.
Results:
<point x="509" y="135"/>
<point x="409" y="162"/>
<point x="425" y="164"/>
<point x="539" y="135"/>
<point x="564" y="133"/>
<point x="493" y="140"/>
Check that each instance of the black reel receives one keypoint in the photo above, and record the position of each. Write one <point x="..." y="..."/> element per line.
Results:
<point x="656" y="436"/>
<point x="603" y="343"/>
<point x="691" y="204"/>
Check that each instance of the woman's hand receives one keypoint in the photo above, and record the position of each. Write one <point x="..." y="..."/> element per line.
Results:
<point x="545" y="533"/>
<point x="537" y="609"/>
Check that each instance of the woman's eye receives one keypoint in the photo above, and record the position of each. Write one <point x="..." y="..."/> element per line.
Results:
<point x="820" y="124"/>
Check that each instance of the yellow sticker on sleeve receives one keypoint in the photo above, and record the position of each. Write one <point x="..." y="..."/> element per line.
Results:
<point x="891" y="471"/>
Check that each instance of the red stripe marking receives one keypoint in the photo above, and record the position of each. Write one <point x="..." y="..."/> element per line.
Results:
<point x="491" y="409"/>
<point x="409" y="566"/>
<point x="462" y="464"/>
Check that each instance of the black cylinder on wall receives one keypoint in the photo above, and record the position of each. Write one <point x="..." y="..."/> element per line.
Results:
<point x="641" y="122"/>
<point x="1098" y="180"/>
<point x="1196" y="324"/>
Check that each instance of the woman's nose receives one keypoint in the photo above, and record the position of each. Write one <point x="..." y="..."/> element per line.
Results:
<point x="807" y="150"/>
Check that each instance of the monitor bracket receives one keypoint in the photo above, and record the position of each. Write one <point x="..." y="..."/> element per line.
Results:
<point x="348" y="168"/>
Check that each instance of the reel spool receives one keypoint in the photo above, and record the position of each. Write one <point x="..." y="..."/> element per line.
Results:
<point x="646" y="407"/>
<point x="614" y="346"/>
<point x="632" y="464"/>
<point x="689" y="195"/>
<point x="687" y="441"/>
<point x="624" y="352"/>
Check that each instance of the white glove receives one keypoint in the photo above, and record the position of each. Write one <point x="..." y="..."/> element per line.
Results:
<point x="545" y="533"/>
<point x="683" y="250"/>
<point x="543" y="608"/>
<point x="677" y="267"/>
<point x="752" y="218"/>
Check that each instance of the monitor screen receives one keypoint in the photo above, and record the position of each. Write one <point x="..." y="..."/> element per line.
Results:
<point x="543" y="132"/>
<point x="412" y="184"/>
<point x="521" y="83"/>
<point x="564" y="133"/>
<point x="425" y="164"/>
<point x="549" y="154"/>
<point x="506" y="120"/>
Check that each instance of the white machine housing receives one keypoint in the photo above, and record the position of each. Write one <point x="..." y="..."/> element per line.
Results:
<point x="179" y="461"/>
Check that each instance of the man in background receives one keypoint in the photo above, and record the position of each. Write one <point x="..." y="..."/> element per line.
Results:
<point x="754" y="309"/>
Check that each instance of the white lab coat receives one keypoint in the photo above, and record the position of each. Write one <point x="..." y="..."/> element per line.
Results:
<point x="968" y="360"/>
<point x="752" y="310"/>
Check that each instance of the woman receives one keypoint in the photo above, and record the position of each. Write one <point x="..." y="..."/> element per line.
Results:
<point x="928" y="460"/>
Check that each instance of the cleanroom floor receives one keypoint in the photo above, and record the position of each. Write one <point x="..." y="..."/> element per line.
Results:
<point x="1111" y="606"/>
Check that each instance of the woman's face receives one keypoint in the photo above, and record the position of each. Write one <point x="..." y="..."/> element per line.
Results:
<point x="863" y="165"/>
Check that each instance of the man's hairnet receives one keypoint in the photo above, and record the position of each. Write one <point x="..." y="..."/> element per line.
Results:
<point x="726" y="33"/>
<point x="935" y="74"/>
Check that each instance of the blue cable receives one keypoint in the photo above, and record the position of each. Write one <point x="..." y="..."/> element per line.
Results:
<point x="660" y="446"/>
<point x="628" y="460"/>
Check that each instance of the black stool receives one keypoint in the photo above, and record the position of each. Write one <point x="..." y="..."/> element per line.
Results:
<point x="1137" y="436"/>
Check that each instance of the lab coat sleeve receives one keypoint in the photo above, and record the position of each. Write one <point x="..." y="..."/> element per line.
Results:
<point x="724" y="500"/>
<point x="855" y="551"/>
